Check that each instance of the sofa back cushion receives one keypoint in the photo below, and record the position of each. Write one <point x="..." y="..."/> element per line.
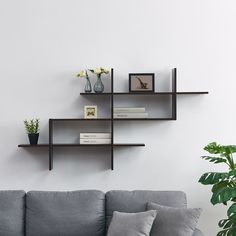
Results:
<point x="136" y="201"/>
<point x="12" y="207"/>
<point x="65" y="213"/>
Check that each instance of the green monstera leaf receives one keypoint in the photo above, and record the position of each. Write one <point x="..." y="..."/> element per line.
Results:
<point x="215" y="160"/>
<point x="213" y="178"/>
<point x="223" y="195"/>
<point x="228" y="232"/>
<point x="229" y="228"/>
<point x="213" y="148"/>
<point x="232" y="212"/>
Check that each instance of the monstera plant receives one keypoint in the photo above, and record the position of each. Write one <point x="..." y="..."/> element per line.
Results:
<point x="223" y="184"/>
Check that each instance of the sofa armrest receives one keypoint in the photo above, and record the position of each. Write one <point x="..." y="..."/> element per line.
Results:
<point x="197" y="232"/>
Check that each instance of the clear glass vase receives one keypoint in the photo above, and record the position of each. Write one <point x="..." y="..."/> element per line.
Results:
<point x="98" y="86"/>
<point x="88" y="87"/>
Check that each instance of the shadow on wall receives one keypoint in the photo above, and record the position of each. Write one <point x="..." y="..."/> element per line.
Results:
<point x="76" y="159"/>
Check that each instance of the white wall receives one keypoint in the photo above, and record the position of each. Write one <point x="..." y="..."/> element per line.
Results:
<point x="44" y="43"/>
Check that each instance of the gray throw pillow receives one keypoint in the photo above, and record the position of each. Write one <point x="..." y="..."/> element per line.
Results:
<point x="131" y="224"/>
<point x="172" y="221"/>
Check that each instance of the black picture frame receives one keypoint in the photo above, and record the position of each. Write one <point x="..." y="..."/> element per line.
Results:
<point x="139" y="76"/>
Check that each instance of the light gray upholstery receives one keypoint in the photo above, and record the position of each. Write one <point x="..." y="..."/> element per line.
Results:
<point x="174" y="221"/>
<point x="136" y="201"/>
<point x="131" y="224"/>
<point x="77" y="213"/>
<point x="80" y="213"/>
<point x="12" y="207"/>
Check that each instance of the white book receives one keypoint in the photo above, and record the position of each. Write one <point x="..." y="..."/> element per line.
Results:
<point x="95" y="135"/>
<point x="95" y="141"/>
<point x="130" y="115"/>
<point x="129" y="109"/>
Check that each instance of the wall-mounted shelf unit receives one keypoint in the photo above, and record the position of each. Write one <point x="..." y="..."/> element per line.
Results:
<point x="111" y="120"/>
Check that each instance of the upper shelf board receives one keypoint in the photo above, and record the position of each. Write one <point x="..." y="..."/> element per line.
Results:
<point x="143" y="93"/>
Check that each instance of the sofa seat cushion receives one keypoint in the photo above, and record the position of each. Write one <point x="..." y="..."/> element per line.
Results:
<point x="12" y="207"/>
<point x="77" y="213"/>
<point x="136" y="201"/>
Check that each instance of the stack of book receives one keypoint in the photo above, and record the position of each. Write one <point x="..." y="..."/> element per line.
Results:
<point x="95" y="138"/>
<point x="129" y="112"/>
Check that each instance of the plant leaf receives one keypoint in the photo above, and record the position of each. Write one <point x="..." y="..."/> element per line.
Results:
<point x="229" y="228"/>
<point x="232" y="173"/>
<point x="215" y="160"/>
<point x="220" y="185"/>
<point x="213" y="148"/>
<point x="210" y="178"/>
<point x="232" y="210"/>
<point x="228" y="232"/>
<point x="223" y="195"/>
<point x="229" y="149"/>
<point x="233" y="199"/>
<point x="228" y="224"/>
<point x="223" y="222"/>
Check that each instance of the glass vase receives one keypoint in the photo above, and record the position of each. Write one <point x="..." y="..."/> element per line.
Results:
<point x="98" y="86"/>
<point x="88" y="87"/>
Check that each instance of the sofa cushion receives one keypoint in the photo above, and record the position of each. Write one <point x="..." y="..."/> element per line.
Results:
<point x="65" y="213"/>
<point x="131" y="224"/>
<point x="136" y="201"/>
<point x="174" y="221"/>
<point x="12" y="204"/>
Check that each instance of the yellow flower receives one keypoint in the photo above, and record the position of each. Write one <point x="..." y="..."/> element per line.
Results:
<point x="104" y="70"/>
<point x="82" y="73"/>
<point x="97" y="71"/>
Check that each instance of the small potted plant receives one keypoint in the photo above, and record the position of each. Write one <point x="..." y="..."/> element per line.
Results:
<point x="98" y="86"/>
<point x="32" y="129"/>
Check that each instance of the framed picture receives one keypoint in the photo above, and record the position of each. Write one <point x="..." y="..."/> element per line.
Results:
<point x="141" y="82"/>
<point x="90" y="112"/>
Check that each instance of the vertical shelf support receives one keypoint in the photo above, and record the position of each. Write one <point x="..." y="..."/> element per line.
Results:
<point x="174" y="95"/>
<point x="50" y="144"/>
<point x="112" y="119"/>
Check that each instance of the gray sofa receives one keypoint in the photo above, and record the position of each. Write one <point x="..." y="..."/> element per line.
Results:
<point x="76" y="213"/>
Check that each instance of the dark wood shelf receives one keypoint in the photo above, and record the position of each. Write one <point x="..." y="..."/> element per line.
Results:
<point x="128" y="145"/>
<point x="191" y="93"/>
<point x="145" y="119"/>
<point x="173" y="94"/>
<point x="96" y="94"/>
<point x="79" y="119"/>
<point x="109" y="119"/>
<point x="41" y="145"/>
<point x="82" y="145"/>
<point x="143" y="93"/>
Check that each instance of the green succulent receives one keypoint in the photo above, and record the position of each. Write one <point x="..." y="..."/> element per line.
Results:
<point x="223" y="184"/>
<point x="32" y="126"/>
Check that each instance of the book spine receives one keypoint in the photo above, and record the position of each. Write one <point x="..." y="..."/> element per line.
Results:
<point x="130" y="115"/>
<point x="95" y="141"/>
<point x="129" y="109"/>
<point x="95" y="135"/>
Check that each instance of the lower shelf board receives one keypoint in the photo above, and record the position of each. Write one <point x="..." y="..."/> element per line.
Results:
<point x="82" y="145"/>
<point x="146" y="119"/>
